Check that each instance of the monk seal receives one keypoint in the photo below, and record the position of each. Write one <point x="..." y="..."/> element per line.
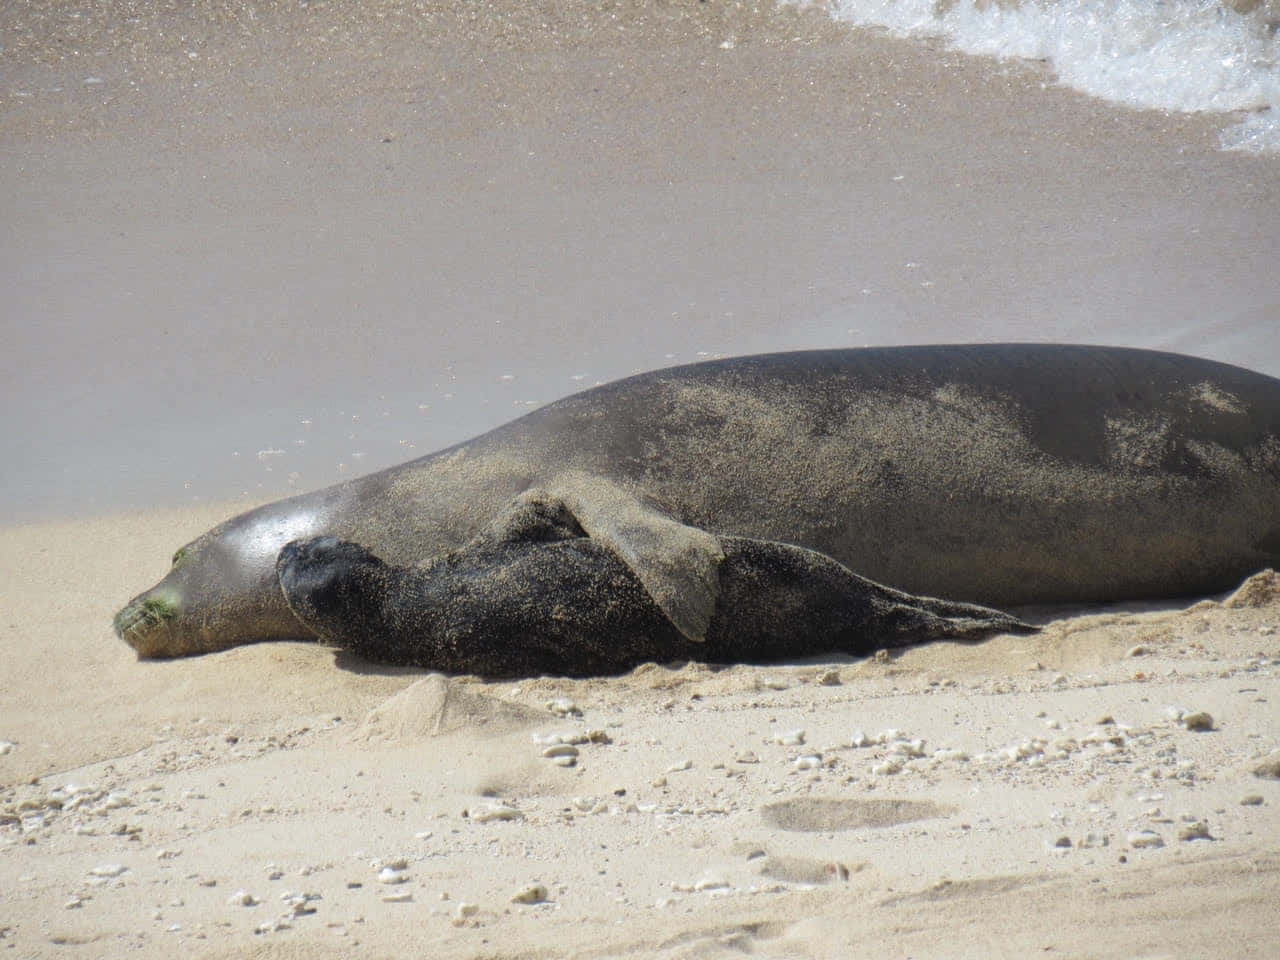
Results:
<point x="999" y="474"/>
<point x="563" y="603"/>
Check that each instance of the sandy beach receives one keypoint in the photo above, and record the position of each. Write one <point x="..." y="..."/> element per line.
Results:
<point x="253" y="250"/>
<point x="1049" y="794"/>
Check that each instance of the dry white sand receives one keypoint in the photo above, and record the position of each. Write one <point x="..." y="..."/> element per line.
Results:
<point x="248" y="803"/>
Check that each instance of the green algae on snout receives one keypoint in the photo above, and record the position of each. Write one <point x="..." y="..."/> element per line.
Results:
<point x="146" y="612"/>
<point x="181" y="555"/>
<point x="158" y="609"/>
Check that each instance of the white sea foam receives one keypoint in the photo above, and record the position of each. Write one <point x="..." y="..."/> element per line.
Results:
<point x="1184" y="55"/>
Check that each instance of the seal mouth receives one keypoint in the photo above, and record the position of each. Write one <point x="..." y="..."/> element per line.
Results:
<point x="136" y="623"/>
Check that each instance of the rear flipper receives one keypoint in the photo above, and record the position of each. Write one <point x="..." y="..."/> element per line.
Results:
<point x="778" y="600"/>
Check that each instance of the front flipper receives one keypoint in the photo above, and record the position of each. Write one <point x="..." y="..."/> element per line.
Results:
<point x="534" y="516"/>
<point x="677" y="564"/>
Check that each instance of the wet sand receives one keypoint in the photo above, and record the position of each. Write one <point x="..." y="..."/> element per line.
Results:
<point x="264" y="216"/>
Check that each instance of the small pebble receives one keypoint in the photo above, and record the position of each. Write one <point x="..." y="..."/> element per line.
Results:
<point x="1137" y="651"/>
<point x="1199" y="830"/>
<point x="1145" y="839"/>
<point x="397" y="896"/>
<point x="747" y="756"/>
<point x="1198" y="721"/>
<point x="810" y="761"/>
<point x="1251" y="800"/>
<point x="391" y="875"/>
<point x="1268" y="769"/>
<point x="242" y="898"/>
<point x="829" y="678"/>
<point x="790" y="738"/>
<point x="681" y="766"/>
<point x="534" y="893"/>
<point x="495" y="811"/>
<point x="1064" y="842"/>
<point x="300" y="905"/>
<point x="560" y="750"/>
<point x="464" y="912"/>
<point x="563" y="707"/>
<point x="907" y="748"/>
<point x="6" y="746"/>
<point x="108" y="870"/>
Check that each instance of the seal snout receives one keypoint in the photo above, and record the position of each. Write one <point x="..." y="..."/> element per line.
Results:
<point x="142" y="621"/>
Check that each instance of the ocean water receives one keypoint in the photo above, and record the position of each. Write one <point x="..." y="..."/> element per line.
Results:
<point x="1221" y="56"/>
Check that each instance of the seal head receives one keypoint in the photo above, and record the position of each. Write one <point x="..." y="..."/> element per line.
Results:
<point x="220" y="591"/>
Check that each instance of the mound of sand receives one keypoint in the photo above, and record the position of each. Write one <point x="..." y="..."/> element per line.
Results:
<point x="436" y="705"/>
